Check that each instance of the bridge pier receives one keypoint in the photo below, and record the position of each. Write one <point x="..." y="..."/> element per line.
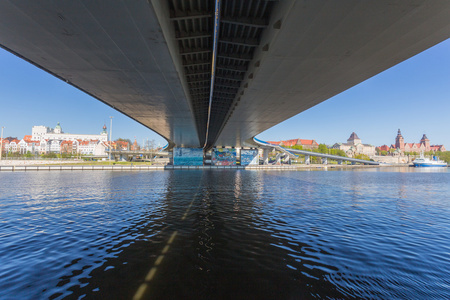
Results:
<point x="265" y="156"/>
<point x="278" y="159"/>
<point x="325" y="160"/>
<point x="339" y="161"/>
<point x="307" y="160"/>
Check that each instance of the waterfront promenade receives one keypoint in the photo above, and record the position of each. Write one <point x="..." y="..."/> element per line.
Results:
<point x="131" y="167"/>
<point x="24" y="162"/>
<point x="77" y="165"/>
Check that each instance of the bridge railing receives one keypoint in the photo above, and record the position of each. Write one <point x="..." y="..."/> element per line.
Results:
<point x="310" y="153"/>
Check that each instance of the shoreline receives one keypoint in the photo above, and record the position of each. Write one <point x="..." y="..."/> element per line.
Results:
<point x="25" y="162"/>
<point x="85" y="167"/>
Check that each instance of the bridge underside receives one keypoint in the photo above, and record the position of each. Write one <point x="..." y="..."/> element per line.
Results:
<point x="152" y="60"/>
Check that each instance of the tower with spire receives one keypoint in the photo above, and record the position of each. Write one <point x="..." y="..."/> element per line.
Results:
<point x="400" y="141"/>
<point x="104" y="130"/>
<point x="426" y="142"/>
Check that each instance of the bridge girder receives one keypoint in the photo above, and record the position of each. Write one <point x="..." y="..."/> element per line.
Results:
<point x="151" y="60"/>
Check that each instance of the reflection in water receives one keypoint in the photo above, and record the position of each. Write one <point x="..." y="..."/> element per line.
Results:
<point x="224" y="234"/>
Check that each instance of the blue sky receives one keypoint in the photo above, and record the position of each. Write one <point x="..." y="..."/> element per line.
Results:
<point x="413" y="96"/>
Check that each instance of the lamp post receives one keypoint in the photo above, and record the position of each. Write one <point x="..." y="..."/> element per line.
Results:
<point x="1" y="143"/>
<point x="110" y="138"/>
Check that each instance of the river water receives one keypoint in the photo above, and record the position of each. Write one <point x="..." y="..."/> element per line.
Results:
<point x="225" y="234"/>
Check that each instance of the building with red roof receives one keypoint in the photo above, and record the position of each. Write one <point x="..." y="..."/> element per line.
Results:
<point x="306" y="144"/>
<point x="423" y="145"/>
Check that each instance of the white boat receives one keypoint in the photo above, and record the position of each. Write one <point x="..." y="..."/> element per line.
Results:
<point x="426" y="162"/>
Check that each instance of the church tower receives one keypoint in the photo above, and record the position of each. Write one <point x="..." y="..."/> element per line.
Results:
<point x="426" y="142"/>
<point x="399" y="141"/>
<point x="104" y="130"/>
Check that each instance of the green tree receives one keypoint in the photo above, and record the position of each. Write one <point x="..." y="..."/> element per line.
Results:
<point x="362" y="156"/>
<point x="445" y="156"/>
<point x="125" y="140"/>
<point x="297" y="147"/>
<point x="323" y="149"/>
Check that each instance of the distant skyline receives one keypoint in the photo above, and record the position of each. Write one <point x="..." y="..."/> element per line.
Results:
<point x="413" y="96"/>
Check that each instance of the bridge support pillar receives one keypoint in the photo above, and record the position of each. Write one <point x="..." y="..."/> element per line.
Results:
<point x="339" y="161"/>
<point x="325" y="161"/>
<point x="265" y="156"/>
<point x="307" y="160"/>
<point x="278" y="159"/>
<point x="353" y="163"/>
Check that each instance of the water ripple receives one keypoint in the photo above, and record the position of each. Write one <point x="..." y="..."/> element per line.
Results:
<point x="239" y="234"/>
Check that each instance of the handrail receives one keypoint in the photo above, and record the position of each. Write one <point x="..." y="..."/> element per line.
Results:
<point x="323" y="155"/>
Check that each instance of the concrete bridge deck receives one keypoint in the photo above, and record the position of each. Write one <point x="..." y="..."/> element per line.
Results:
<point x="203" y="75"/>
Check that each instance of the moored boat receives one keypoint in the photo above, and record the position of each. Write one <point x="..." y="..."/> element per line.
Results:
<point x="426" y="162"/>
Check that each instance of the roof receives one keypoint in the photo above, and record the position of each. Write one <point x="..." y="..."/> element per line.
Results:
<point x="424" y="137"/>
<point x="289" y="143"/>
<point x="353" y="136"/>
<point x="436" y="147"/>
<point x="411" y="145"/>
<point x="384" y="148"/>
<point x="307" y="142"/>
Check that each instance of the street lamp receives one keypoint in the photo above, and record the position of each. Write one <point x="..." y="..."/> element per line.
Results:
<point x="1" y="143"/>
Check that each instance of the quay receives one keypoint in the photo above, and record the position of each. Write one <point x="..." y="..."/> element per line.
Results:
<point x="17" y="168"/>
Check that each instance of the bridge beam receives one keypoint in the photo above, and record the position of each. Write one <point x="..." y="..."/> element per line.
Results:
<point x="249" y="22"/>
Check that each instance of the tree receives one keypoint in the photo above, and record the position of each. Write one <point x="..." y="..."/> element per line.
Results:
<point x="323" y="148"/>
<point x="362" y="156"/>
<point x="297" y="147"/>
<point x="445" y="156"/>
<point x="124" y="140"/>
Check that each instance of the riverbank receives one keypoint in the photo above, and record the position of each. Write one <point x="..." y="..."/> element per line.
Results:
<point x="137" y="167"/>
<point x="24" y="162"/>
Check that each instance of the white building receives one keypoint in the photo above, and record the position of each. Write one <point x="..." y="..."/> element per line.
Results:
<point x="354" y="147"/>
<point x="45" y="139"/>
<point x="23" y="147"/>
<point x="40" y="133"/>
